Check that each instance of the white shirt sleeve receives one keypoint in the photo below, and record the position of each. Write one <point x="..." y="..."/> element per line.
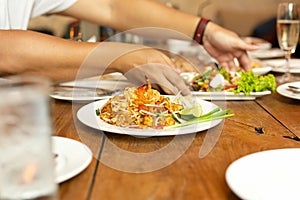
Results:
<point x="50" y="6"/>
<point x="15" y="14"/>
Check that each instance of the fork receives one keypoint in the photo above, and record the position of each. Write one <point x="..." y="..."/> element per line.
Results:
<point x="294" y="89"/>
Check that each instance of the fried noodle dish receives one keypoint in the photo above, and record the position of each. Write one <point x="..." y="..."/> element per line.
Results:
<point x="141" y="107"/>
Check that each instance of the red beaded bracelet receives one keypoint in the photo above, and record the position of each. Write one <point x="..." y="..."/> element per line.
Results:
<point x="199" y="32"/>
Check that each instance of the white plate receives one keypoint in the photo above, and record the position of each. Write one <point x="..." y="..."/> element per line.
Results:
<point x="272" y="174"/>
<point x="278" y="65"/>
<point x="284" y="91"/>
<point x="87" y="116"/>
<point x="3" y="80"/>
<point x="73" y="157"/>
<point x="80" y="94"/>
<point x="261" y="43"/>
<point x="261" y="70"/>
<point x="267" y="53"/>
<point x="229" y="95"/>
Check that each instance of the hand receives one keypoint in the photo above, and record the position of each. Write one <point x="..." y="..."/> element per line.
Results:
<point x="149" y="63"/>
<point x="225" y="46"/>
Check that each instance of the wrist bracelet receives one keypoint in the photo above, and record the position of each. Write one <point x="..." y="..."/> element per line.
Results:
<point x="199" y="32"/>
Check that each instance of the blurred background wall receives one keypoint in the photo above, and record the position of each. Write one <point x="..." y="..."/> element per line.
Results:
<point x="240" y="16"/>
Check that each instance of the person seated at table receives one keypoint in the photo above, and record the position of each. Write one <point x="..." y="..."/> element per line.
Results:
<point x="267" y="31"/>
<point x="27" y="52"/>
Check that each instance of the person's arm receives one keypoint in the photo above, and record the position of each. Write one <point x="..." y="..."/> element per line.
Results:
<point x="222" y="44"/>
<point x="130" y="14"/>
<point x="27" y="52"/>
<point x="32" y="53"/>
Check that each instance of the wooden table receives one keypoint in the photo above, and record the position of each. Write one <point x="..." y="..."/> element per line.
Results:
<point x="198" y="172"/>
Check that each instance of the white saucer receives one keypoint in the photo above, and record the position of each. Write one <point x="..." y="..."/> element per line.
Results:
<point x="72" y="157"/>
<point x="86" y="90"/>
<point x="284" y="90"/>
<point x="261" y="70"/>
<point x="278" y="65"/>
<point x="272" y="174"/>
<point x="267" y="53"/>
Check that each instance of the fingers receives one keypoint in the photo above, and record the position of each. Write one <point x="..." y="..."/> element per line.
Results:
<point x="226" y="52"/>
<point x="229" y="65"/>
<point x="169" y="88"/>
<point x="227" y="59"/>
<point x="170" y="81"/>
<point x="162" y="78"/>
<point x="176" y="81"/>
<point x="246" y="46"/>
<point x="154" y="65"/>
<point x="245" y="62"/>
<point x="243" y="58"/>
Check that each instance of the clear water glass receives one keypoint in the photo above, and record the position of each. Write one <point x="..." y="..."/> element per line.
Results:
<point x="288" y="26"/>
<point x="26" y="159"/>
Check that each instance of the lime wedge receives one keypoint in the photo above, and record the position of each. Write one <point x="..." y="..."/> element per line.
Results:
<point x="177" y="119"/>
<point x="195" y="111"/>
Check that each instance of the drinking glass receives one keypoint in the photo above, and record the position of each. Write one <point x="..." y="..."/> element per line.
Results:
<point x="287" y="34"/>
<point x="26" y="159"/>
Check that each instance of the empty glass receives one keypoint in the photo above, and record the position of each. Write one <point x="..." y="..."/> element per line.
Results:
<point x="26" y="159"/>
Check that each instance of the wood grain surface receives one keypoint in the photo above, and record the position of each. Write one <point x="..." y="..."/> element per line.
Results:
<point x="190" y="166"/>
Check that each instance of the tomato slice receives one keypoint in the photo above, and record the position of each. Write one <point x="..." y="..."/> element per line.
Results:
<point x="230" y="87"/>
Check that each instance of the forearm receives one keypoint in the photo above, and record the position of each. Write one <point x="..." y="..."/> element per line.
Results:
<point x="31" y="53"/>
<point x="150" y="13"/>
<point x="130" y="14"/>
<point x="26" y="52"/>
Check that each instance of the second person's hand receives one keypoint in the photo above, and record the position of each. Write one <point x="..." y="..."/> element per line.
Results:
<point x="225" y="46"/>
<point x="154" y="65"/>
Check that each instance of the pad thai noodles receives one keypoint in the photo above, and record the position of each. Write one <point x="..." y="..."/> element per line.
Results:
<point x="140" y="107"/>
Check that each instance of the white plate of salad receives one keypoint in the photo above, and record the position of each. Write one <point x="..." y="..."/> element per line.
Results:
<point x="218" y="84"/>
<point x="144" y="112"/>
<point x="230" y="95"/>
